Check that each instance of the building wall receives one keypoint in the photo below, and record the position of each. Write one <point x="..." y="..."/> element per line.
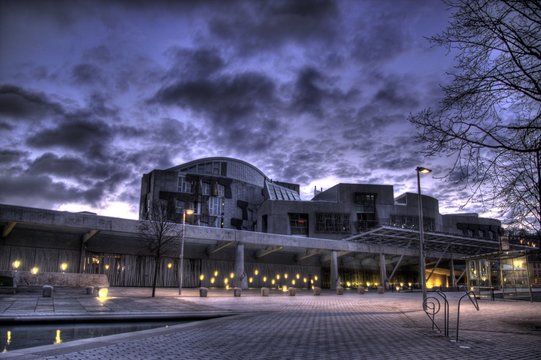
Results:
<point x="472" y="225"/>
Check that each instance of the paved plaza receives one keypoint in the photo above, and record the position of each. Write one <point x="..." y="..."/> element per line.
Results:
<point x="350" y="326"/>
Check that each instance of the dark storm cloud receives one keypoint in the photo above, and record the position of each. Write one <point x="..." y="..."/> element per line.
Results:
<point x="80" y="135"/>
<point x="86" y="74"/>
<point x="36" y="190"/>
<point x="397" y="153"/>
<point x="379" y="43"/>
<point x="301" y="161"/>
<point x="193" y="64"/>
<point x="22" y="104"/>
<point x="259" y="26"/>
<point x="239" y="108"/>
<point x="397" y="93"/>
<point x="314" y="93"/>
<point x="11" y="156"/>
<point x="67" y="167"/>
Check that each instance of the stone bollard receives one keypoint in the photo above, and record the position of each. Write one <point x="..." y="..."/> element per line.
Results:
<point x="47" y="291"/>
<point x="203" y="291"/>
<point x="381" y="290"/>
<point x="237" y="291"/>
<point x="265" y="291"/>
<point x="339" y="290"/>
<point x="317" y="291"/>
<point x="90" y="290"/>
<point x="292" y="291"/>
<point x="361" y="290"/>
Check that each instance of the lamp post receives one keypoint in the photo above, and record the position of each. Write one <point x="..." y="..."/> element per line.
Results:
<point x="421" y="170"/>
<point x="181" y="265"/>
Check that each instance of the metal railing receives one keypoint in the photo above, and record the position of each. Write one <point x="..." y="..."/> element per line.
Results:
<point x="432" y="306"/>
<point x="473" y="299"/>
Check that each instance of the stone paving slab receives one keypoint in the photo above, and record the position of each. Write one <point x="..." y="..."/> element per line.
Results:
<point x="352" y="326"/>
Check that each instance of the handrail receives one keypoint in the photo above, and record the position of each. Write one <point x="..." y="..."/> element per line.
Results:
<point x="473" y="300"/>
<point x="445" y="312"/>
<point x="431" y="310"/>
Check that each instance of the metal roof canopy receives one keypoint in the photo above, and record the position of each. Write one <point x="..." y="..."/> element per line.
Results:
<point x="459" y="246"/>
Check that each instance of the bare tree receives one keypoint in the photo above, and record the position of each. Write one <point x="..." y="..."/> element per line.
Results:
<point x="159" y="235"/>
<point x="489" y="119"/>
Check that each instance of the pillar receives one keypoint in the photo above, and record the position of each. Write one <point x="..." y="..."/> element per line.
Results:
<point x="240" y="274"/>
<point x="334" y="270"/>
<point x="382" y="270"/>
<point x="453" y="279"/>
<point x="82" y="256"/>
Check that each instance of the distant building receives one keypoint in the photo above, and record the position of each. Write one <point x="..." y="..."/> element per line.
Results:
<point x="231" y="193"/>
<point x="252" y="231"/>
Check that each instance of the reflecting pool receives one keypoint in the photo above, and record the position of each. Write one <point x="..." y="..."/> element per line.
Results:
<point x="24" y="336"/>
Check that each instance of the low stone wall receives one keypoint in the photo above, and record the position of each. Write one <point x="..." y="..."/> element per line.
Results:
<point x="26" y="278"/>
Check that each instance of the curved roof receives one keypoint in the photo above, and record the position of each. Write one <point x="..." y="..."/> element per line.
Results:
<point x="235" y="168"/>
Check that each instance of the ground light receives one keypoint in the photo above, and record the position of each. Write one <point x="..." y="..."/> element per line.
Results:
<point x="103" y="292"/>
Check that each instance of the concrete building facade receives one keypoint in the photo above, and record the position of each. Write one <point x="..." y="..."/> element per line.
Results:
<point x="249" y="230"/>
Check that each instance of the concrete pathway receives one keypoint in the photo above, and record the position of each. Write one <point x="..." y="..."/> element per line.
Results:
<point x="352" y="326"/>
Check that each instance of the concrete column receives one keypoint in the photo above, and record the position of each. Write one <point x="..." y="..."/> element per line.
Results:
<point x="240" y="274"/>
<point x="382" y="271"/>
<point x="453" y="279"/>
<point x="334" y="270"/>
<point x="82" y="255"/>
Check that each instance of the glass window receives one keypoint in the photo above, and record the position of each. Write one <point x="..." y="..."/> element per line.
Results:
<point x="205" y="190"/>
<point x="332" y="223"/>
<point x="365" y="203"/>
<point x="298" y="224"/>
<point x="215" y="206"/>
<point x="184" y="186"/>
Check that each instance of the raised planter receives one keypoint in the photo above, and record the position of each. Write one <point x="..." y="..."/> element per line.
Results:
<point x="339" y="290"/>
<point x="381" y="290"/>
<point x="47" y="291"/>
<point x="361" y="290"/>
<point x="292" y="291"/>
<point x="203" y="291"/>
<point x="237" y="291"/>
<point x="265" y="291"/>
<point x="317" y="291"/>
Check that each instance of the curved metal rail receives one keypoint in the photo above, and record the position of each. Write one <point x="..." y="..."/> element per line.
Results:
<point x="445" y="312"/>
<point x="431" y="306"/>
<point x="473" y="299"/>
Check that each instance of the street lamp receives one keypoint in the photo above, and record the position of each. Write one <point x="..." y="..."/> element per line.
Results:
<point x="181" y="267"/>
<point x="421" y="170"/>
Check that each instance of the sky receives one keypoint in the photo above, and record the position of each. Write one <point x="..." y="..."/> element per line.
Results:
<point x="93" y="94"/>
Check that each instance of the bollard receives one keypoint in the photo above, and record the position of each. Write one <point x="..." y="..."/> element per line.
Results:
<point x="265" y="291"/>
<point x="361" y="290"/>
<point x="292" y="291"/>
<point x="237" y="291"/>
<point x="203" y="291"/>
<point x="339" y="290"/>
<point x="317" y="291"/>
<point x="47" y="290"/>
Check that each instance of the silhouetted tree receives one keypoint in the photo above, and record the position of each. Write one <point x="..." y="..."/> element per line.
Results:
<point x="159" y="235"/>
<point x="489" y="120"/>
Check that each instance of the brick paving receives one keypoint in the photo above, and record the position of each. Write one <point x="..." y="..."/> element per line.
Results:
<point x="352" y="326"/>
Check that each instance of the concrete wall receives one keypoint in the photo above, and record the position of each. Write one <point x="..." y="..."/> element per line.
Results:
<point x="26" y="278"/>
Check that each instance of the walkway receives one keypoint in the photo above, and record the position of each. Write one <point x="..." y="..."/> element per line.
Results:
<point x="352" y="326"/>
